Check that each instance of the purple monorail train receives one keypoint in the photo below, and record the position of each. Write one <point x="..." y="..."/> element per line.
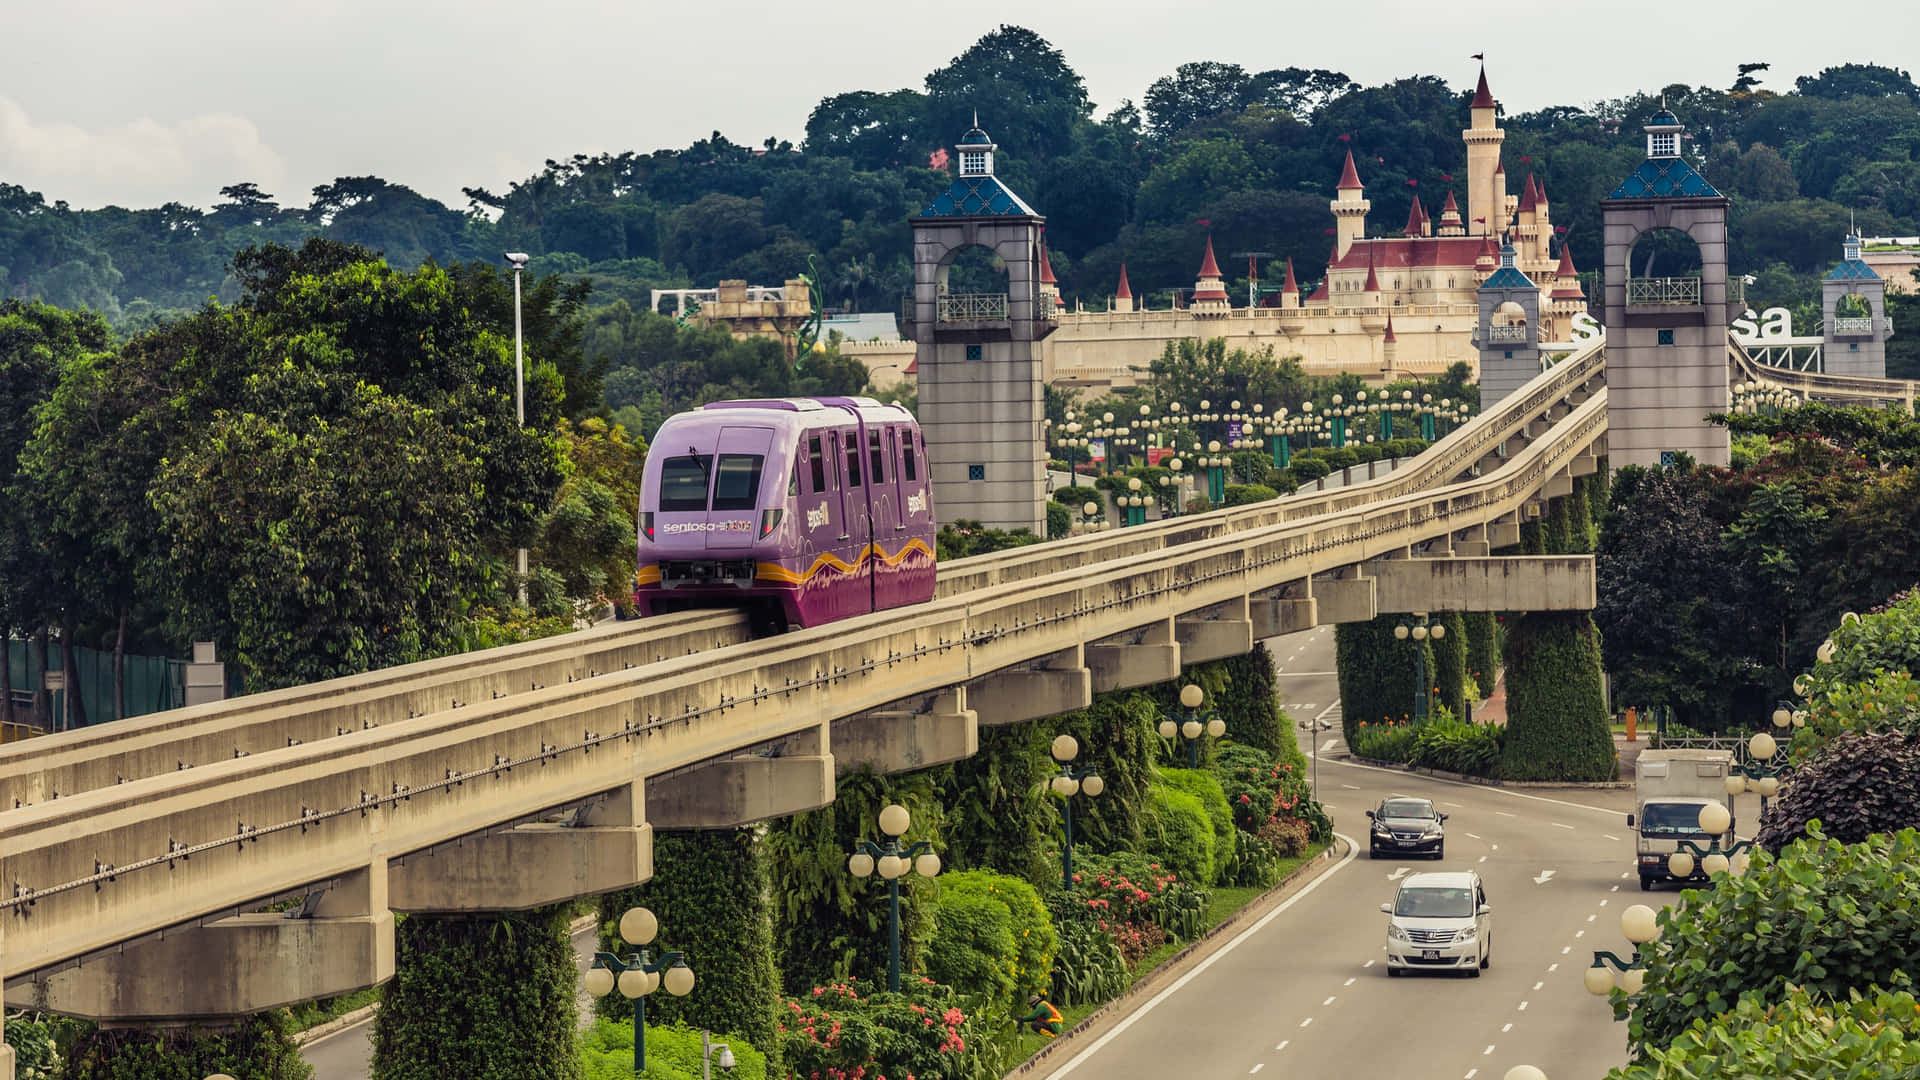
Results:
<point x="800" y="510"/>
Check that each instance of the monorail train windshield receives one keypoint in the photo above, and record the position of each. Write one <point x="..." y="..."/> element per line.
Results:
<point x="683" y="482"/>
<point x="737" y="486"/>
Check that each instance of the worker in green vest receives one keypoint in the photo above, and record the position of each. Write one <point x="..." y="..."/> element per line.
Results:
<point x="1043" y="1018"/>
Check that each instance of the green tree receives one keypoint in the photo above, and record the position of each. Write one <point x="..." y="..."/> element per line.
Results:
<point x="432" y="1024"/>
<point x="1865" y="1034"/>
<point x="1021" y="88"/>
<point x="1556" y="713"/>
<point x="709" y="891"/>
<point x="1854" y="786"/>
<point x="1858" y="80"/>
<point x="259" y="1046"/>
<point x="1378" y="677"/>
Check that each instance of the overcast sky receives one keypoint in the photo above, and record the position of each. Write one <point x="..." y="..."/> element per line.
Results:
<point x="139" y="102"/>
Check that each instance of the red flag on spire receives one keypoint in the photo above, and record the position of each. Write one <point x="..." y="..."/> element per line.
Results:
<point x="1202" y="221"/>
<point x="1344" y="138"/>
<point x="1411" y="182"/>
<point x="1478" y="56"/>
<point x="1329" y="232"/>
<point x="1526" y="159"/>
<point x="1448" y="177"/>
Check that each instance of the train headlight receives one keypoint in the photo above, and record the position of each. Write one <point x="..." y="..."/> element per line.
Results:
<point x="769" y="521"/>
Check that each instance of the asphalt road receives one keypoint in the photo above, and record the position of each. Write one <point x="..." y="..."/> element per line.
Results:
<point x="1304" y="992"/>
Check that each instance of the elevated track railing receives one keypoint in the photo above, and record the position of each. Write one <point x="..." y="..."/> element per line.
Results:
<point x="118" y="862"/>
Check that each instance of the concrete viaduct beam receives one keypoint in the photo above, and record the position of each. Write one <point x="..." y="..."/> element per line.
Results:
<point x="934" y="730"/>
<point x="1513" y="583"/>
<point x="336" y="944"/>
<point x="731" y="791"/>
<point x="1140" y="657"/>
<point x="1287" y="611"/>
<point x="1059" y="684"/>
<point x="1345" y="600"/>
<point x="1215" y="633"/>
<point x="609" y="847"/>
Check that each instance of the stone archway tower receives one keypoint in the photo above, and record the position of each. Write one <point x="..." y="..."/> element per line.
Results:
<point x="978" y="355"/>
<point x="1855" y="344"/>
<point x="1509" y="350"/>
<point x="1666" y="337"/>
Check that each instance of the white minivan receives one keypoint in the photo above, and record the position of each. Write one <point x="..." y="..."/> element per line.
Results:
<point x="1440" y="922"/>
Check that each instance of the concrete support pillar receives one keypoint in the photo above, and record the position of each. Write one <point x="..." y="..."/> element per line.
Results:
<point x="1586" y="464"/>
<point x="1214" y="634"/>
<point x="1504" y="531"/>
<point x="916" y="735"/>
<point x="1060" y="684"/>
<point x="609" y="847"/>
<point x="339" y="942"/>
<point x="1345" y="600"/>
<point x="1513" y="583"/>
<point x="1288" y="611"/>
<point x="1152" y="656"/>
<point x="1558" y="485"/>
<point x="6" y="1052"/>
<point x="728" y="792"/>
<point x="1472" y="542"/>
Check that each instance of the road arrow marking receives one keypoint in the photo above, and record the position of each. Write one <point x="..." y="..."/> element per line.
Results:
<point x="1397" y="874"/>
<point x="1543" y="877"/>
<point x="1329" y="745"/>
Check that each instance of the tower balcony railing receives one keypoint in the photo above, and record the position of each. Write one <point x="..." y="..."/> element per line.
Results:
<point x="1844" y="325"/>
<point x="1663" y="290"/>
<point x="1506" y="334"/>
<point x="971" y="307"/>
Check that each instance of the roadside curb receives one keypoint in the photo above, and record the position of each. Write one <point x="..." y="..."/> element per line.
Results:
<point x="1041" y="1063"/>
<point x="1486" y="781"/>
<point x="366" y="1012"/>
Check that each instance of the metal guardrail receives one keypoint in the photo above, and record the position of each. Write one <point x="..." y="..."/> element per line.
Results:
<point x="1853" y="324"/>
<point x="1506" y="333"/>
<point x="1663" y="290"/>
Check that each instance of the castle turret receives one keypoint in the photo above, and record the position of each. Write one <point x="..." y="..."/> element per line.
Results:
<point x="1349" y="209"/>
<point x="1123" y="296"/>
<point x="1506" y="206"/>
<point x="1568" y="299"/>
<point x="1389" y="350"/>
<point x="1289" y="289"/>
<point x="1488" y="260"/>
<point x="1210" y="291"/>
<point x="1370" y="292"/>
<point x="1526" y="229"/>
<point x="1450" y="220"/>
<point x="1543" y="219"/>
<point x="1486" y="184"/>
<point x="1049" y="285"/>
<point x="1417" y="219"/>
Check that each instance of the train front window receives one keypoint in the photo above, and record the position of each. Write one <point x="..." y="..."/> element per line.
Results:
<point x="683" y="482"/>
<point x="737" y="486"/>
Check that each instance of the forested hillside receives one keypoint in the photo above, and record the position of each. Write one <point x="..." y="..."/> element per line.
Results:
<point x="1254" y="155"/>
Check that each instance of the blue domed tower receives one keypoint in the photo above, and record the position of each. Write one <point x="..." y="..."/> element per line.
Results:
<point x="1854" y="300"/>
<point x="1666" y="336"/>
<point x="981" y="374"/>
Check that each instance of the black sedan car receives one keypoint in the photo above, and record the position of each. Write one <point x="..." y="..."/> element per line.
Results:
<point x="1407" y="826"/>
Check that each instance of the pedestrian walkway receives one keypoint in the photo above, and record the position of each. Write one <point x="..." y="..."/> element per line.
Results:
<point x="1494" y="709"/>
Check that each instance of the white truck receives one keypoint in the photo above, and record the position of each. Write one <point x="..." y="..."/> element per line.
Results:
<point x="1669" y="789"/>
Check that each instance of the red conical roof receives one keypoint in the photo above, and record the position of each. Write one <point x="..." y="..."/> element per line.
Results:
<point x="1482" y="97"/>
<point x="1489" y="254"/>
<point x="1567" y="287"/>
<point x="1348" y="177"/>
<point x="1415" y="215"/>
<point x="1529" y="196"/>
<point x="1541" y="193"/>
<point x="1123" y="293"/>
<point x="1389" y="339"/>
<point x="1373" y="283"/>
<point x="1566" y="263"/>
<point x="1500" y="166"/>
<point x="1209" y="268"/>
<point x="1289" y="285"/>
<point x="1046" y="264"/>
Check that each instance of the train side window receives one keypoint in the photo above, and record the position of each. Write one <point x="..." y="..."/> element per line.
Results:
<point x="817" y="464"/>
<point x="876" y="456"/>
<point x="853" y="459"/>
<point x="906" y="460"/>
<point x="793" y="481"/>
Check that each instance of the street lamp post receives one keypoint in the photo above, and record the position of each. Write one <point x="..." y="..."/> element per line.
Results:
<point x="1136" y="503"/>
<point x="1216" y="474"/>
<point x="1191" y="728"/>
<point x="1640" y="926"/>
<point x="518" y="260"/>
<point x="1339" y="423"/>
<point x="1761" y="775"/>
<point x="1069" y="783"/>
<point x="1419" y="632"/>
<point x="893" y="860"/>
<point x="639" y="975"/>
<point x="1091" y="519"/>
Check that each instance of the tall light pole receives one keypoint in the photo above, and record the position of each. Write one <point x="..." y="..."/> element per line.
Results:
<point x="518" y="260"/>
<point x="638" y="974"/>
<point x="1191" y="728"/>
<point x="1069" y="783"/>
<point x="1420" y="631"/>
<point x="893" y="860"/>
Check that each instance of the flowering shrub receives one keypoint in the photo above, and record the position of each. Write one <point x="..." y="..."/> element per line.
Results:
<point x="1142" y="904"/>
<point x="1287" y="836"/>
<point x="1262" y="791"/>
<point x="992" y="937"/>
<point x="842" y="1032"/>
<point x="1388" y="740"/>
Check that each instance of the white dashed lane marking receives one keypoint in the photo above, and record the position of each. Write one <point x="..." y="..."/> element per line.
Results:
<point x="1327" y="1002"/>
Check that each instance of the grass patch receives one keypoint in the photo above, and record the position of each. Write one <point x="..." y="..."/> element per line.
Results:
<point x="314" y="1013"/>
<point x="1225" y="902"/>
